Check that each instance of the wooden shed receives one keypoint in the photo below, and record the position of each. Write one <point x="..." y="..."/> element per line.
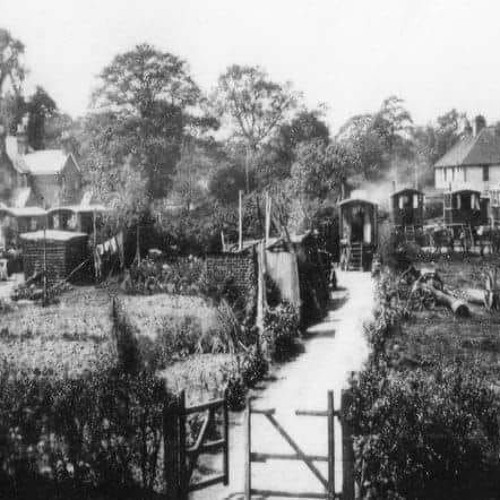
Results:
<point x="407" y="208"/>
<point x="61" y="252"/>
<point x="465" y="206"/>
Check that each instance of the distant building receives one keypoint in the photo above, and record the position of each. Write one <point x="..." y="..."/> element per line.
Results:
<point x="44" y="178"/>
<point x="472" y="163"/>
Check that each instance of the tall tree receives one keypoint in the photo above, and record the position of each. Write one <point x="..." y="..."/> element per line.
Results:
<point x="11" y="65"/>
<point x="40" y="108"/>
<point x="12" y="74"/>
<point x="149" y="94"/>
<point x="254" y="106"/>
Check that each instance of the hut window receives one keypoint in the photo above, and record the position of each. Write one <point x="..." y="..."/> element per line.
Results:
<point x="415" y="201"/>
<point x="401" y="202"/>
<point x="32" y="224"/>
<point x="445" y="171"/>
<point x="459" y="201"/>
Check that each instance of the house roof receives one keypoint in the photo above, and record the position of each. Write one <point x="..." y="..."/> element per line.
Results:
<point x="52" y="235"/>
<point x="349" y="201"/>
<point x="482" y="149"/>
<point x="80" y="209"/>
<point x="20" y="197"/>
<point x="24" y="211"/>
<point x="46" y="162"/>
<point x="406" y="190"/>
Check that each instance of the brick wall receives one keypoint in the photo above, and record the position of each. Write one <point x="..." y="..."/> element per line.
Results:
<point x="242" y="267"/>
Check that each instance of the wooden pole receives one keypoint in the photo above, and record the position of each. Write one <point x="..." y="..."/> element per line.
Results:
<point x="226" y="438"/>
<point x="44" y="277"/>
<point x="268" y="217"/>
<point x="183" y="477"/>
<point x="171" y="448"/>
<point x="248" y="451"/>
<point x="240" y="224"/>
<point x="348" y="488"/>
<point x="331" y="447"/>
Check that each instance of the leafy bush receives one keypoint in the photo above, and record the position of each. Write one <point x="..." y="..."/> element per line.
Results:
<point x="281" y="329"/>
<point x="102" y="432"/>
<point x="425" y="432"/>
<point x="253" y="366"/>
<point x="182" y="276"/>
<point x="425" y="436"/>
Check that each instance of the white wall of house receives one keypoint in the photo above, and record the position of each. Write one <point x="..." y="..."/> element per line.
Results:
<point x="471" y="177"/>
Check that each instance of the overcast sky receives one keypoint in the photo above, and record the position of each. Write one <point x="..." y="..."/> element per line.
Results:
<point x="349" y="54"/>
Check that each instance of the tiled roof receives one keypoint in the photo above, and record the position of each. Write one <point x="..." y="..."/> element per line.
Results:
<point x="482" y="149"/>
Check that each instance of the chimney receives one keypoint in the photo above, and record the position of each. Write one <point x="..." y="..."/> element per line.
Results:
<point x="22" y="137"/>
<point x="393" y="186"/>
<point x="479" y="124"/>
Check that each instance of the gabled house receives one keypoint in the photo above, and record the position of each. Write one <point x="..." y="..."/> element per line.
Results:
<point x="472" y="163"/>
<point x="45" y="178"/>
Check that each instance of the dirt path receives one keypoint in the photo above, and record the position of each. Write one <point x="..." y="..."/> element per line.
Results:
<point x="333" y="349"/>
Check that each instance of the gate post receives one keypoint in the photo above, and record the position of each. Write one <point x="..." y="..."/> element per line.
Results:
<point x="183" y="475"/>
<point x="348" y="489"/>
<point x="171" y="448"/>
<point x="331" y="446"/>
<point x="248" y="450"/>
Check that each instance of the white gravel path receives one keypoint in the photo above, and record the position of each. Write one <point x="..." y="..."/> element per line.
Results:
<point x="333" y="349"/>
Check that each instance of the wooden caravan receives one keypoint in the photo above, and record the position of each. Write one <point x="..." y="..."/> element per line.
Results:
<point x="465" y="207"/>
<point x="407" y="208"/>
<point x="76" y="218"/>
<point x="358" y="233"/>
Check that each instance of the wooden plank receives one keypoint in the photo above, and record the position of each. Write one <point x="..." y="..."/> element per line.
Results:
<point x="264" y="457"/>
<point x="261" y="411"/>
<point x="207" y="482"/>
<point x="288" y="494"/>
<point x="205" y="447"/>
<point x="205" y="406"/>
<point x="297" y="449"/>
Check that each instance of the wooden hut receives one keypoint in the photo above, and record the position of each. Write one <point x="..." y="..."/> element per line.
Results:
<point x="15" y="221"/>
<point x="465" y="207"/>
<point x="60" y="252"/>
<point x="358" y="232"/>
<point x="77" y="218"/>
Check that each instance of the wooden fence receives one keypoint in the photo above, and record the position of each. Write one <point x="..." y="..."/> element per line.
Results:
<point x="180" y="459"/>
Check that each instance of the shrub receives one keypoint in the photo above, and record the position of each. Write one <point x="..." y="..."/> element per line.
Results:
<point x="281" y="329"/>
<point x="253" y="366"/>
<point x="425" y="436"/>
<point x="102" y="432"/>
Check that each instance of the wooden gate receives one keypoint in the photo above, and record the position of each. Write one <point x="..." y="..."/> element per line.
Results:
<point x="328" y="482"/>
<point x="181" y="459"/>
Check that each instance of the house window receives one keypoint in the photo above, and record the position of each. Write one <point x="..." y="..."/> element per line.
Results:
<point x="486" y="173"/>
<point x="445" y="170"/>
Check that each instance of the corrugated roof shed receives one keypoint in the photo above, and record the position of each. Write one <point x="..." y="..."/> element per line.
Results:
<point x="482" y="149"/>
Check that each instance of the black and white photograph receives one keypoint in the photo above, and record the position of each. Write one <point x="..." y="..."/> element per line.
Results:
<point x="249" y="250"/>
